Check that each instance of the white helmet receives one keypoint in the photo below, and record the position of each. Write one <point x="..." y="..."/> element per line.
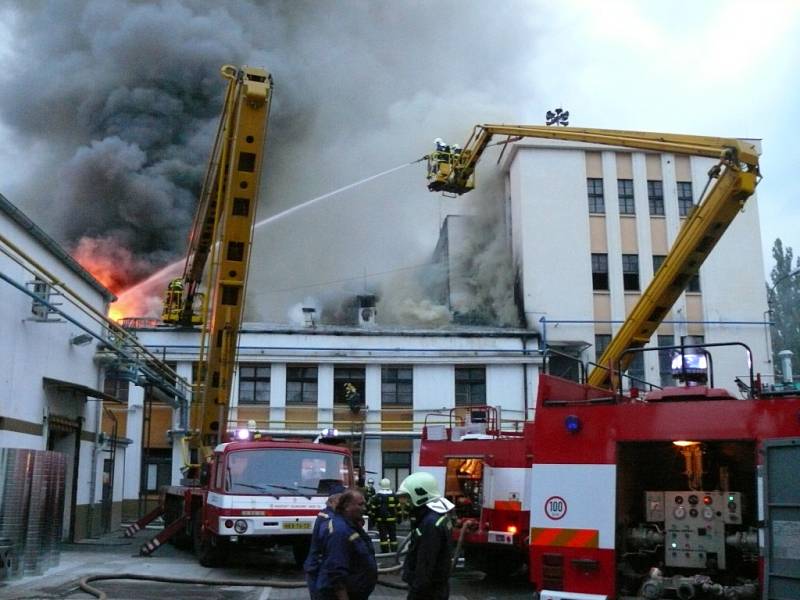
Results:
<point x="422" y="488"/>
<point x="386" y="484"/>
<point x="439" y="142"/>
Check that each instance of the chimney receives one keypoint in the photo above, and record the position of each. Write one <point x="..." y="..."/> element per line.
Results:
<point x="367" y="312"/>
<point x="308" y="316"/>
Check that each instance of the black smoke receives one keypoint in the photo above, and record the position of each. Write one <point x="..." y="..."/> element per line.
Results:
<point x="114" y="105"/>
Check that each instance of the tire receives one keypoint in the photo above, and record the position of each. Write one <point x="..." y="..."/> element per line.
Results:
<point x="300" y="550"/>
<point x="206" y="547"/>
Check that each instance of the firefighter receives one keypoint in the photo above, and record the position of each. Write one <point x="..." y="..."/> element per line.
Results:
<point x="322" y="527"/>
<point x="348" y="570"/>
<point x="427" y="566"/>
<point x="383" y="508"/>
<point x="369" y="493"/>
<point x="352" y="397"/>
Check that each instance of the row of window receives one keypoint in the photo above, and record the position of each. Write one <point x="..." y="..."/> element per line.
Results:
<point x="396" y="384"/>
<point x="630" y="272"/>
<point x="627" y="206"/>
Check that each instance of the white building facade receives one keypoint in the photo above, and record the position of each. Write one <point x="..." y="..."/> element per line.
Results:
<point x="589" y="225"/>
<point x="52" y="398"/>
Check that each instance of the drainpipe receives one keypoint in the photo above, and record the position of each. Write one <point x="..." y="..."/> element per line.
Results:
<point x="525" y="378"/>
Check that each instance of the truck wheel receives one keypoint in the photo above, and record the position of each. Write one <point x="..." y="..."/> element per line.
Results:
<point x="206" y="548"/>
<point x="300" y="550"/>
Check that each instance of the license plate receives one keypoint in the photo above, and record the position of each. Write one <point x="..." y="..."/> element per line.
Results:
<point x="297" y="525"/>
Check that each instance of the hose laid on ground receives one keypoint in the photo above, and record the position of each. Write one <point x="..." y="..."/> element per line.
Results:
<point x="84" y="582"/>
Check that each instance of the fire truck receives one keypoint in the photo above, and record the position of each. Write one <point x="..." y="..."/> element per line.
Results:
<point x="240" y="491"/>
<point x="685" y="492"/>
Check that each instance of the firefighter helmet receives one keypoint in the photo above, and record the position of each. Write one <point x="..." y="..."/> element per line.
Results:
<point x="386" y="484"/>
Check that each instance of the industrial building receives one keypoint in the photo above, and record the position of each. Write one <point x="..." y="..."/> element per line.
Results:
<point x="586" y="227"/>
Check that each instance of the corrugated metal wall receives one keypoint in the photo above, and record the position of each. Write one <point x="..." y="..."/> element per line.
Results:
<point x="31" y="510"/>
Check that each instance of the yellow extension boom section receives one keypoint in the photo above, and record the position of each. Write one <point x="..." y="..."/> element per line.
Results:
<point x="220" y="242"/>
<point x="735" y="179"/>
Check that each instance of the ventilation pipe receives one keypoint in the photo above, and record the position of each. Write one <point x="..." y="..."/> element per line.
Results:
<point x="786" y="365"/>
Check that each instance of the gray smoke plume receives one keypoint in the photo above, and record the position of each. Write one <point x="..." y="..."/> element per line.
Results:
<point x="114" y="104"/>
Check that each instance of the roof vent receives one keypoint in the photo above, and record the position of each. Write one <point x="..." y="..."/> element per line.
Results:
<point x="367" y="312"/>
<point x="309" y="316"/>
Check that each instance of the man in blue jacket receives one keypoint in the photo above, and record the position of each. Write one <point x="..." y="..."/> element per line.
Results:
<point x="348" y="570"/>
<point x="319" y="534"/>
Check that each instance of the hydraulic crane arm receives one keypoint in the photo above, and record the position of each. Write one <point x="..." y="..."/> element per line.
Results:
<point x="736" y="177"/>
<point x="223" y="232"/>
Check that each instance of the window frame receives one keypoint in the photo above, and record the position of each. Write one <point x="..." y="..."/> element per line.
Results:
<point x="596" y="199"/>
<point x="256" y="380"/>
<point x="355" y="374"/>
<point x="391" y="378"/>
<point x="685" y="197"/>
<point x="655" y="197"/>
<point x="472" y="380"/>
<point x="627" y="202"/>
<point x="631" y="279"/>
<point x="305" y="380"/>
<point x="600" y="272"/>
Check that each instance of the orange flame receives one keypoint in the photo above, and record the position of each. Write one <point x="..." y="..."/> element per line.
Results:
<point x="118" y="269"/>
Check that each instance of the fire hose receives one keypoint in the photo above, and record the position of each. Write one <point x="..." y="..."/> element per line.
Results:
<point x="277" y="583"/>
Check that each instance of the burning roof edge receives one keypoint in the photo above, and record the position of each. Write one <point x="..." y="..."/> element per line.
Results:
<point x="39" y="234"/>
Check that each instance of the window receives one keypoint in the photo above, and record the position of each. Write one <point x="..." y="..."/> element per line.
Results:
<point x="396" y="467"/>
<point x="636" y="369"/>
<point x="254" y="382"/>
<point x="665" y="360"/>
<point x="655" y="197"/>
<point x="156" y="469"/>
<point x="113" y="386"/>
<point x="625" y="193"/>
<point x="301" y="385"/>
<point x="601" y="342"/>
<point x="600" y="271"/>
<point x="630" y="272"/>
<point x="470" y="386"/>
<point x="397" y="385"/>
<point x="596" y="202"/>
<point x="685" y="201"/>
<point x="658" y="260"/>
<point x="343" y="375"/>
<point x="694" y="283"/>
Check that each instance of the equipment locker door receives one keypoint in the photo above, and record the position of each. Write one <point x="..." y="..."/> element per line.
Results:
<point x="782" y="519"/>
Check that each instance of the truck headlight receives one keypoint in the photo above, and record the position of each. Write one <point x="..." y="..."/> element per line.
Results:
<point x="240" y="526"/>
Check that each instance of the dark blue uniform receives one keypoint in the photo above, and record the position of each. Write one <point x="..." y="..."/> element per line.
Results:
<point x="322" y="526"/>
<point x="427" y="566"/>
<point x="348" y="561"/>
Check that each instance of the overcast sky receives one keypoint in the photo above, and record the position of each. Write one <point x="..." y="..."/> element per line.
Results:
<point x="362" y="87"/>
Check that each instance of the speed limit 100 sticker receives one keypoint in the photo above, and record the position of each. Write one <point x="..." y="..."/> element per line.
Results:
<point x="555" y="507"/>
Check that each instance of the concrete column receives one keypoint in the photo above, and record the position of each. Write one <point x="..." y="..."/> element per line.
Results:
<point x="184" y="369"/>
<point x="277" y="395"/>
<point x="134" y="430"/>
<point x="325" y="396"/>
<point x="673" y="225"/>
<point x="373" y="451"/>
<point x="614" y="237"/>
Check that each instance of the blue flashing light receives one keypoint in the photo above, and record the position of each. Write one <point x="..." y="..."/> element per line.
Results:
<point x="573" y="424"/>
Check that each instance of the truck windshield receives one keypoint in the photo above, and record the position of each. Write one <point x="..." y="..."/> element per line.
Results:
<point x="280" y="472"/>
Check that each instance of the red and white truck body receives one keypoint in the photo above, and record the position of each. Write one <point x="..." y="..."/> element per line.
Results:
<point x="685" y="493"/>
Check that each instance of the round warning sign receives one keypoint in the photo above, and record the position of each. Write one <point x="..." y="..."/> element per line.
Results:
<point x="555" y="507"/>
